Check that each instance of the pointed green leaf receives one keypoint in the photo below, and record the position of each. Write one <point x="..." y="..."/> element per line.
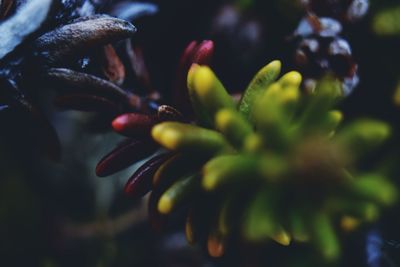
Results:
<point x="189" y="138"/>
<point x="265" y="77"/>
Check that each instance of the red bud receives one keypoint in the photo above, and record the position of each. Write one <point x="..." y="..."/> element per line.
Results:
<point x="187" y="56"/>
<point x="134" y="124"/>
<point x="204" y="53"/>
<point x="194" y="53"/>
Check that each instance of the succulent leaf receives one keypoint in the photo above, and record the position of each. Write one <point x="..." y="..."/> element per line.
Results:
<point x="265" y="77"/>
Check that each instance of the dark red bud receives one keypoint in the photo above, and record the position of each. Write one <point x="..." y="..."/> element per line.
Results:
<point x="194" y="53"/>
<point x="187" y="56"/>
<point x="134" y="124"/>
<point x="204" y="53"/>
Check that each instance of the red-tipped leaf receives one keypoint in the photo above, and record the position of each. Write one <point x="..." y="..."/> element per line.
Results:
<point x="134" y="124"/>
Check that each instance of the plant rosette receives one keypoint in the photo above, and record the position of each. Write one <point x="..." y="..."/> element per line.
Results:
<point x="277" y="166"/>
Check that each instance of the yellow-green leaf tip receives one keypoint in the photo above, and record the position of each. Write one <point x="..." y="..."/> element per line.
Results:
<point x="165" y="204"/>
<point x="203" y="80"/>
<point x="282" y="238"/>
<point x="291" y="79"/>
<point x="275" y="65"/>
<point x="191" y="73"/>
<point x="166" y="136"/>
<point x="223" y="118"/>
<point x="209" y="182"/>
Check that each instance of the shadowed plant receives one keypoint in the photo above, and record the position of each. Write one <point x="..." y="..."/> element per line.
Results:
<point x="49" y="43"/>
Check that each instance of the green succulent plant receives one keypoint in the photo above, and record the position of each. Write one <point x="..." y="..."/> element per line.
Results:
<point x="275" y="166"/>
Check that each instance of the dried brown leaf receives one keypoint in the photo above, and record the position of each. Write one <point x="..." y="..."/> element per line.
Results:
<point x="72" y="40"/>
<point x="113" y="67"/>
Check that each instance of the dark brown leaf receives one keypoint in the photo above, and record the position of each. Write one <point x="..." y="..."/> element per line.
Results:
<point x="113" y="68"/>
<point x="74" y="39"/>
<point x="86" y="102"/>
<point x="86" y="83"/>
<point x="138" y="64"/>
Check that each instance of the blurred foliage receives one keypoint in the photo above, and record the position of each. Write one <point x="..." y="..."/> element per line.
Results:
<point x="387" y="22"/>
<point x="281" y="155"/>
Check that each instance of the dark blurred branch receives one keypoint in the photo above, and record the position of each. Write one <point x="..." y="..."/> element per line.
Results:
<point x="105" y="227"/>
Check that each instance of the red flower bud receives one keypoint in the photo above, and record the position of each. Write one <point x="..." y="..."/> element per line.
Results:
<point x="134" y="124"/>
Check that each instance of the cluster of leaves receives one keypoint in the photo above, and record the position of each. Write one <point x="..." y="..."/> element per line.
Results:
<point x="137" y="126"/>
<point x="279" y="152"/>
